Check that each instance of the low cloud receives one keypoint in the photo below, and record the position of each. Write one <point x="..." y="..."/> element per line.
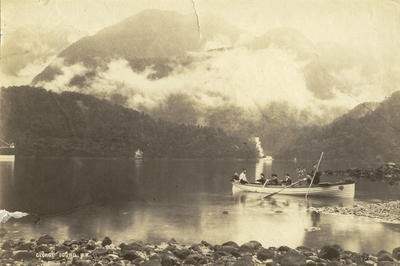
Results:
<point x="264" y="84"/>
<point x="26" y="51"/>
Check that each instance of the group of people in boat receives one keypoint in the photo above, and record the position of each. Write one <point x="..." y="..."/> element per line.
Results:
<point x="275" y="180"/>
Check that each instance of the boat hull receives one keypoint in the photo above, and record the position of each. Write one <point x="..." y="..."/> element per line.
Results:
<point x="340" y="190"/>
<point x="7" y="158"/>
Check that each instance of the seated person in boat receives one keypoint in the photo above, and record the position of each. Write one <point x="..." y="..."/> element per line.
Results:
<point x="242" y="177"/>
<point x="261" y="179"/>
<point x="235" y="177"/>
<point x="316" y="177"/>
<point x="288" y="180"/>
<point x="274" y="180"/>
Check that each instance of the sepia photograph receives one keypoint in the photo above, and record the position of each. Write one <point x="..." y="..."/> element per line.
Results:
<point x="200" y="132"/>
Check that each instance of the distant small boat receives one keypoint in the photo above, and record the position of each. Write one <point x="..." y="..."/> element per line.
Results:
<point x="266" y="158"/>
<point x="7" y="153"/>
<point x="7" y="158"/>
<point x="138" y="155"/>
<point x="339" y="190"/>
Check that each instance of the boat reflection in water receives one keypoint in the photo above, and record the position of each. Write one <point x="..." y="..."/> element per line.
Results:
<point x="272" y="222"/>
<point x="286" y="220"/>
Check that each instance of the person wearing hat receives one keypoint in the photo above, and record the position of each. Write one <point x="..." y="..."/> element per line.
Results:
<point x="235" y="177"/>
<point x="316" y="177"/>
<point x="242" y="177"/>
<point x="261" y="179"/>
<point x="288" y="180"/>
<point x="274" y="179"/>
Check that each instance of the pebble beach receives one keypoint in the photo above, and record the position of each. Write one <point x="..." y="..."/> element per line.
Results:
<point x="388" y="212"/>
<point x="48" y="251"/>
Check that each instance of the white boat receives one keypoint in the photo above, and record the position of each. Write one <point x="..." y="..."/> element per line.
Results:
<point x="7" y="158"/>
<point x="340" y="190"/>
<point x="138" y="155"/>
<point x="7" y="152"/>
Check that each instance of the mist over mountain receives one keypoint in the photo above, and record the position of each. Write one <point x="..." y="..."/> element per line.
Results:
<point x="269" y="86"/>
<point x="370" y="132"/>
<point x="20" y="58"/>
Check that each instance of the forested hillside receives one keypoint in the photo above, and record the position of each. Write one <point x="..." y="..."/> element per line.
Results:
<point x="369" y="136"/>
<point x="41" y="122"/>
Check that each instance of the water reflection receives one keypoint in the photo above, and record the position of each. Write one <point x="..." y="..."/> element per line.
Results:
<point x="315" y="218"/>
<point x="263" y="166"/>
<point x="190" y="200"/>
<point x="7" y="180"/>
<point x="52" y="186"/>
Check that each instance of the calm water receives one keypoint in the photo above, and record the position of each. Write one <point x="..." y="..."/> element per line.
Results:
<point x="156" y="200"/>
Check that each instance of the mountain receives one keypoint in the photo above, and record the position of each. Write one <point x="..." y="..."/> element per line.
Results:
<point x="364" y="134"/>
<point x="360" y="110"/>
<point x="152" y="38"/>
<point x="41" y="122"/>
<point x="271" y="86"/>
<point x="285" y="38"/>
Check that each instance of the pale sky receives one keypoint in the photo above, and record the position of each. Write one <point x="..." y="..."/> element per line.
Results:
<point x="351" y="22"/>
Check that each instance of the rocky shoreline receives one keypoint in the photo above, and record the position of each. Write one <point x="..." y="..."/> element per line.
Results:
<point x="47" y="251"/>
<point x="388" y="212"/>
<point x="389" y="173"/>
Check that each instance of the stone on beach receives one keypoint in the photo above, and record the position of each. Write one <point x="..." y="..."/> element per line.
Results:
<point x="310" y="263"/>
<point x="330" y="252"/>
<point x="264" y="254"/>
<point x="91" y="245"/>
<point x="383" y="255"/>
<point x="169" y="260"/>
<point x="80" y="262"/>
<point x="396" y="253"/>
<point x="130" y="255"/>
<point x="100" y="252"/>
<point x="25" y="246"/>
<point x="205" y="243"/>
<point x="369" y="263"/>
<point x="182" y="253"/>
<point x="231" y="244"/>
<point x="229" y="249"/>
<point x="7" y="254"/>
<point x="46" y="239"/>
<point x="24" y="255"/>
<point x="132" y="246"/>
<point x="244" y="261"/>
<point x="191" y="260"/>
<point x="106" y="241"/>
<point x="90" y="252"/>
<point x="42" y="248"/>
<point x="251" y="246"/>
<point x="9" y="244"/>
<point x="291" y="258"/>
<point x="284" y="249"/>
<point x="62" y="248"/>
